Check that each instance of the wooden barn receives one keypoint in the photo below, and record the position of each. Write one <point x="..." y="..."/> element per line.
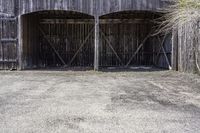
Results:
<point x="84" y="33"/>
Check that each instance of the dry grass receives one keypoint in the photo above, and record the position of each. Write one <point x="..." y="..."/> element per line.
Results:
<point x="183" y="13"/>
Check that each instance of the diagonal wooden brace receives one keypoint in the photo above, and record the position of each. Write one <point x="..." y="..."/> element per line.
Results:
<point x="162" y="48"/>
<point x="81" y="46"/>
<point x="138" y="49"/>
<point x="110" y="45"/>
<point x="50" y="43"/>
<point x="161" y="43"/>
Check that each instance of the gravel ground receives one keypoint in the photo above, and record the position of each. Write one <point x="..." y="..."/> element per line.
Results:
<point x="99" y="102"/>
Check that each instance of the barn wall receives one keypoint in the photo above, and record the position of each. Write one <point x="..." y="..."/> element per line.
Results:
<point x="8" y="8"/>
<point x="8" y="34"/>
<point x="188" y="49"/>
<point x="14" y="8"/>
<point x="109" y="6"/>
<point x="83" y="6"/>
<point x="92" y="7"/>
<point x="8" y="43"/>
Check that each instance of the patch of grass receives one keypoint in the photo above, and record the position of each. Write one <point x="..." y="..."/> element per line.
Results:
<point x="181" y="13"/>
<point x="184" y="15"/>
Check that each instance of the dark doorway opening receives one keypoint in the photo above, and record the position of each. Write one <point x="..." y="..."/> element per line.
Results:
<point x="126" y="40"/>
<point x="57" y="39"/>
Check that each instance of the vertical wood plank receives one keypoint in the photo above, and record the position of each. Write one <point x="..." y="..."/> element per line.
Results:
<point x="174" y="50"/>
<point x="20" y="43"/>
<point x="96" y="43"/>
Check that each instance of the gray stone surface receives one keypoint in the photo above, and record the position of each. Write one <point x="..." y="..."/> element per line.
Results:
<point x="90" y="102"/>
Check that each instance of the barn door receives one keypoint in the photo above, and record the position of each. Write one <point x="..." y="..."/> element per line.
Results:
<point x="8" y="43"/>
<point x="164" y="52"/>
<point x="67" y="44"/>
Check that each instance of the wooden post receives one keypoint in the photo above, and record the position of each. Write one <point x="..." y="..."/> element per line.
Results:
<point x="180" y="45"/>
<point x="175" y="50"/>
<point x="20" y="43"/>
<point x="96" y="43"/>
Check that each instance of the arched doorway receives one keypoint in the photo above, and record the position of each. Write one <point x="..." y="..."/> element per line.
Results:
<point x="57" y="38"/>
<point x="126" y="40"/>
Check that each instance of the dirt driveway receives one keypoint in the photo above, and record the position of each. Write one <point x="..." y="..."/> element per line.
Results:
<point x="104" y="102"/>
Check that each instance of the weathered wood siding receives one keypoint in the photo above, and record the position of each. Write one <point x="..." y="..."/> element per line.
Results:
<point x="188" y="49"/>
<point x="8" y="43"/>
<point x="8" y="34"/>
<point x="92" y="7"/>
<point x="11" y="9"/>
<point x="83" y="6"/>
<point x="110" y="6"/>
<point x="8" y="8"/>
